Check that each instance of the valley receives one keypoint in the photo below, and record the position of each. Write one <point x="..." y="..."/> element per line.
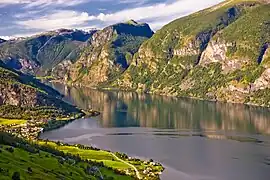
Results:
<point x="202" y="79"/>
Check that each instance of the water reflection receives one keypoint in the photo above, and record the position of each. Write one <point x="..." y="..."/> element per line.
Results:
<point x="130" y="109"/>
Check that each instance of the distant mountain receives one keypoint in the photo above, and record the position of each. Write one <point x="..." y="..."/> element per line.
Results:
<point x="40" y="53"/>
<point x="108" y="53"/>
<point x="2" y="40"/>
<point x="221" y="53"/>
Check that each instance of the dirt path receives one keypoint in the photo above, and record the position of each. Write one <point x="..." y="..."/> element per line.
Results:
<point x="132" y="166"/>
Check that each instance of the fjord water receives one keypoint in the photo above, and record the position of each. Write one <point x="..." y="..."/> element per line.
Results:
<point x="194" y="140"/>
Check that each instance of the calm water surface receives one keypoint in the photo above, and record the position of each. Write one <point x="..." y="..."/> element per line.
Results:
<point x="195" y="140"/>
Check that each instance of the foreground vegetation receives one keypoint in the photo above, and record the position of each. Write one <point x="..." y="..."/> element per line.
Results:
<point x="27" y="108"/>
<point x="109" y="165"/>
<point x="39" y="113"/>
<point x="11" y="121"/>
<point x="20" y="159"/>
<point x="120" y="162"/>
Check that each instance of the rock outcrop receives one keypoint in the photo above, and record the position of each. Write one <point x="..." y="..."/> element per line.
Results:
<point x="216" y="53"/>
<point x="108" y="54"/>
<point x="220" y="54"/>
<point x="20" y="90"/>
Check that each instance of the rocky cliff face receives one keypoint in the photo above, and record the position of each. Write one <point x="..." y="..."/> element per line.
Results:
<point x="13" y="94"/>
<point x="221" y="53"/>
<point x="216" y="52"/>
<point x="108" y="54"/>
<point x="20" y="90"/>
<point x="266" y="56"/>
<point x="39" y="54"/>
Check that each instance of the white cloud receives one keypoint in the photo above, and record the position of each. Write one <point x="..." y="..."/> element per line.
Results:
<point x="14" y="1"/>
<point x="158" y="11"/>
<point x="156" y="15"/>
<point x="6" y="37"/>
<point x="59" y="19"/>
<point x="27" y="14"/>
<point x="19" y="35"/>
<point x="42" y="3"/>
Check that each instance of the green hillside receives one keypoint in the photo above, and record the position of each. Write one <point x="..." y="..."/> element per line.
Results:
<point x="39" y="54"/>
<point x="20" y="159"/>
<point x="23" y="97"/>
<point x="219" y="53"/>
<point x="108" y="53"/>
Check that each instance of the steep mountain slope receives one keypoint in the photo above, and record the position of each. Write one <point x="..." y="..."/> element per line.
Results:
<point x="38" y="54"/>
<point x="108" y="53"/>
<point x="22" y="97"/>
<point x="221" y="53"/>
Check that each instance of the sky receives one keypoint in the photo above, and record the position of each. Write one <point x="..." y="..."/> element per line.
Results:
<point x="27" y="17"/>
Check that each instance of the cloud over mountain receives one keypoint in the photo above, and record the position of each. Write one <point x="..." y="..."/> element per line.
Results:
<point x="30" y="16"/>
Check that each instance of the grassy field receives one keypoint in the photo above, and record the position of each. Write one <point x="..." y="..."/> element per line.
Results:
<point x="20" y="160"/>
<point x="94" y="155"/>
<point x="11" y="121"/>
<point x="44" y="166"/>
<point x="34" y="161"/>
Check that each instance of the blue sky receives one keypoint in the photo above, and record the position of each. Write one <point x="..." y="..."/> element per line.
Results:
<point x="27" y="17"/>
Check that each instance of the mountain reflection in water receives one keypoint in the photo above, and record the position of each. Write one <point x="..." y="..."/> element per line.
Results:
<point x="194" y="140"/>
<point x="131" y="109"/>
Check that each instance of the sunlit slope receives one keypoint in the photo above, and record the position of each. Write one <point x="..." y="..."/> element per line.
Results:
<point x="214" y="54"/>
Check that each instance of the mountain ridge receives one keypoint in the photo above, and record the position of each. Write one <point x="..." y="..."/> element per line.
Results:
<point x="207" y="55"/>
<point x="108" y="54"/>
<point x="2" y="40"/>
<point x="220" y="54"/>
<point x="39" y="53"/>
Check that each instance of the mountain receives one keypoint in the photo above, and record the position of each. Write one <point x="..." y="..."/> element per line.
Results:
<point x="108" y="53"/>
<point x="40" y="53"/>
<point x="23" y="97"/>
<point x="221" y="53"/>
<point x="2" y="40"/>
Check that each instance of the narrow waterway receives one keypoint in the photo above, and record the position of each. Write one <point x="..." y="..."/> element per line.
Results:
<point x="194" y="140"/>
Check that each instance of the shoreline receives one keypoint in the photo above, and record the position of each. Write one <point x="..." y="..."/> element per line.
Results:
<point x="157" y="94"/>
<point x="31" y="133"/>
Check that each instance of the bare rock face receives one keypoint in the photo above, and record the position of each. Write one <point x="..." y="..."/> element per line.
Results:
<point x="27" y="65"/>
<point x="185" y="52"/>
<point x="216" y="52"/>
<point x="60" y="71"/>
<point x="266" y="58"/>
<point x="265" y="1"/>
<point x="262" y="82"/>
<point x="93" y="66"/>
<point x="101" y="37"/>
<point x="24" y="64"/>
<point x="13" y="94"/>
<point x="108" y="53"/>
<point x="189" y="50"/>
<point x="18" y="89"/>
